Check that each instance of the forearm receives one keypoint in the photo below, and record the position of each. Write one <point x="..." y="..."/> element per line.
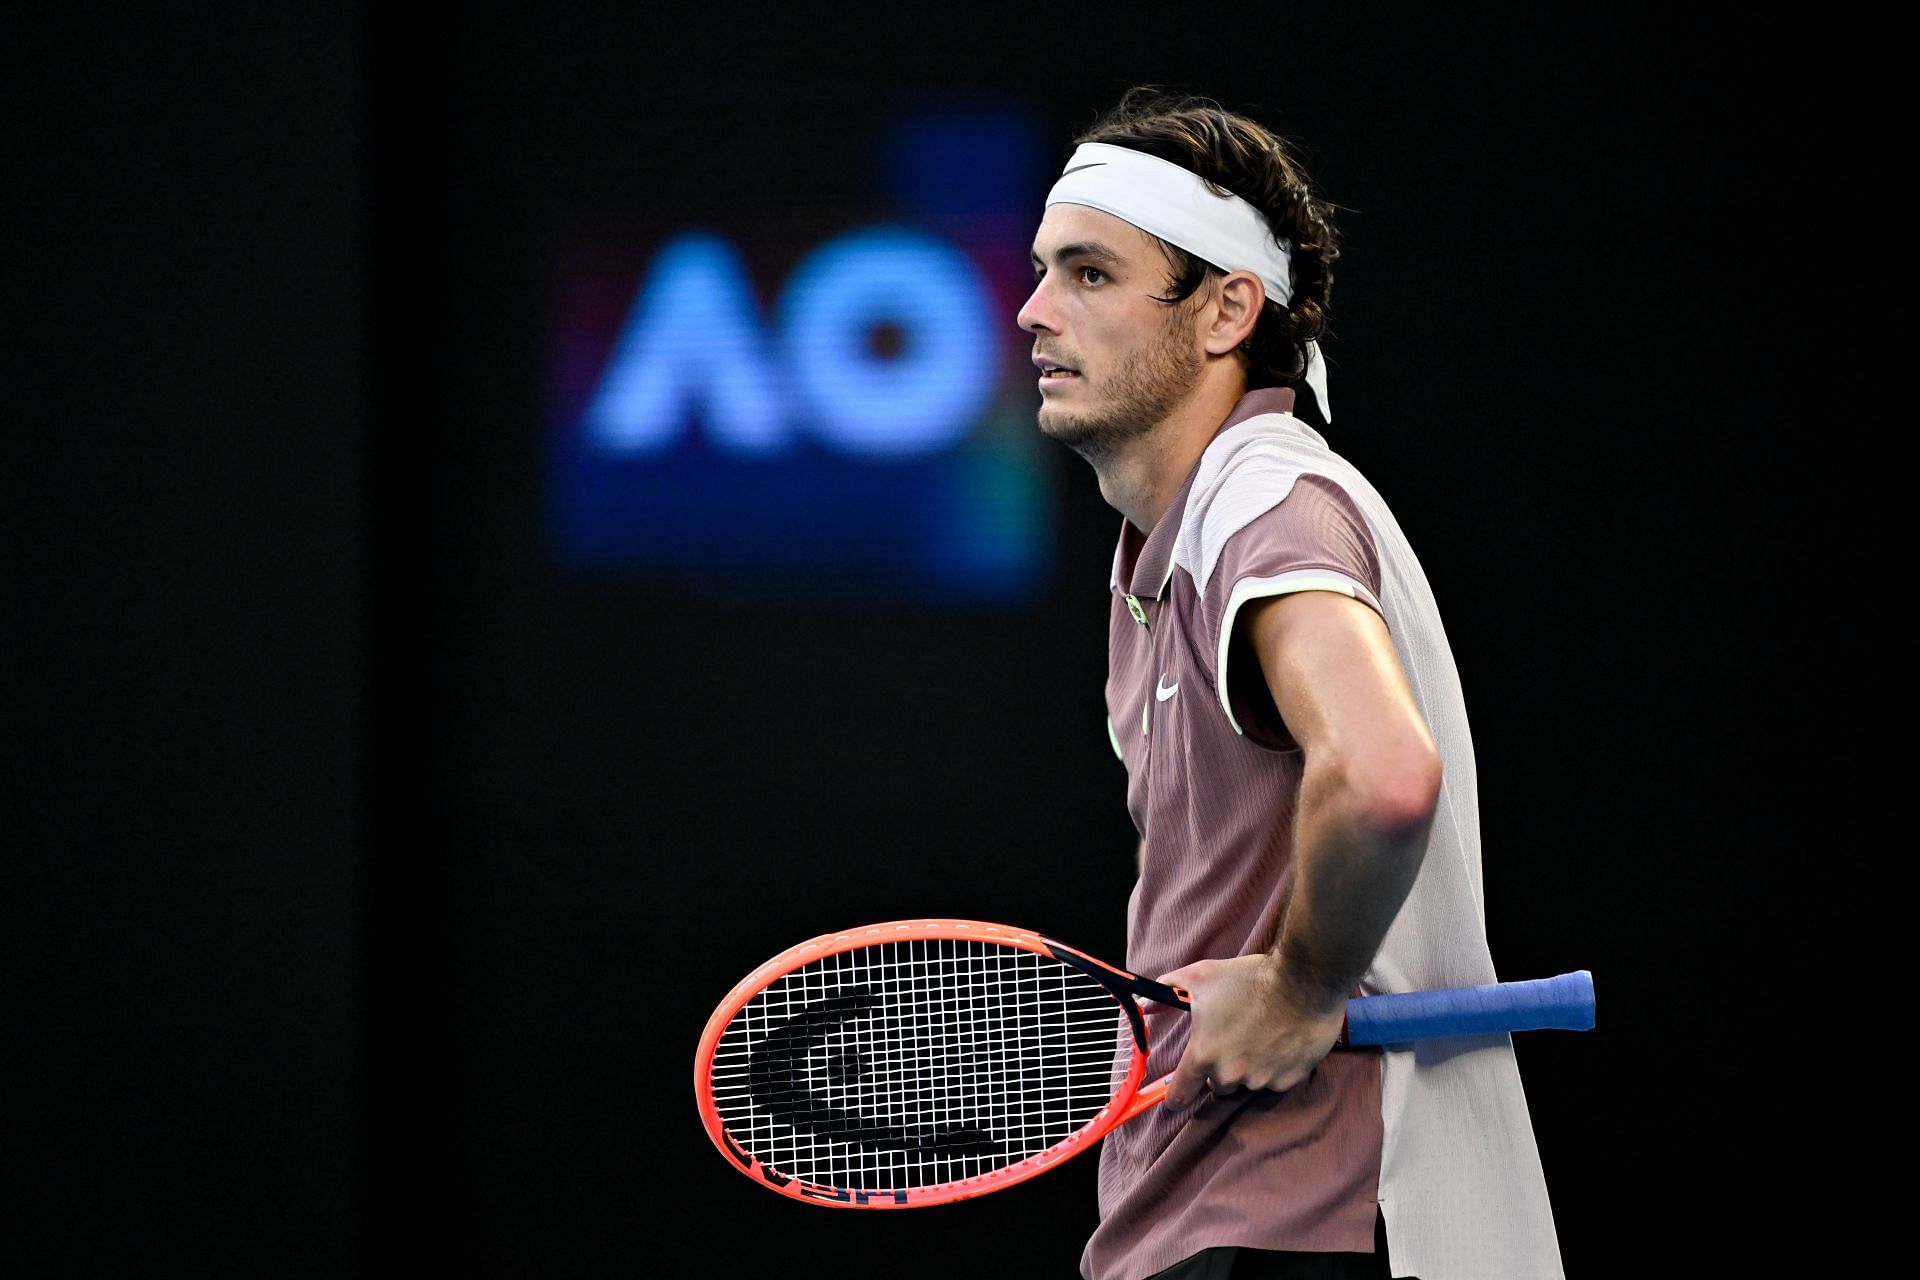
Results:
<point x="1264" y="1021"/>
<point x="1357" y="850"/>
<point x="1368" y="792"/>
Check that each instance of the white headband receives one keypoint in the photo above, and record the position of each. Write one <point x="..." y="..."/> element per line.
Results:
<point x="1165" y="200"/>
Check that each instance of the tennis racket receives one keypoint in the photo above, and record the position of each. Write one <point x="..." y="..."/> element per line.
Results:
<point x="925" y="1061"/>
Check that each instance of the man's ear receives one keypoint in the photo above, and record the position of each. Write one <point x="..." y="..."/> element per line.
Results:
<point x="1237" y="299"/>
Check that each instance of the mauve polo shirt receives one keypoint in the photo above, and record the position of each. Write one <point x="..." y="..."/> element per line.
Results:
<point x="1215" y="805"/>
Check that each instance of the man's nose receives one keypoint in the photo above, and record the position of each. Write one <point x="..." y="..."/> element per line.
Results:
<point x="1037" y="312"/>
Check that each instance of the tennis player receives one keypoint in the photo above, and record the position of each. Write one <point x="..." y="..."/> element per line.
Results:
<point x="1281" y="693"/>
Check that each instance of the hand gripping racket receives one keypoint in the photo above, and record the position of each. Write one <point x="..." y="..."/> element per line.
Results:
<point x="925" y="1061"/>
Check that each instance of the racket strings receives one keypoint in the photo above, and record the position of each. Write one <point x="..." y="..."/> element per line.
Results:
<point x="917" y="1063"/>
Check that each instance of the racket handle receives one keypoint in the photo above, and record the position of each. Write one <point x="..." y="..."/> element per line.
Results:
<point x="1564" y="1003"/>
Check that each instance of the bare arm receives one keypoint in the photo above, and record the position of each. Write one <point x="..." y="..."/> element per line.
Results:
<point x="1367" y="798"/>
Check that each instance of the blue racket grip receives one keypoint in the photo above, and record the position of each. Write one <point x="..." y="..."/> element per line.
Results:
<point x="1564" y="1003"/>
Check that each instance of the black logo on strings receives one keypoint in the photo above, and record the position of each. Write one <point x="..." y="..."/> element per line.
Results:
<point x="777" y="1072"/>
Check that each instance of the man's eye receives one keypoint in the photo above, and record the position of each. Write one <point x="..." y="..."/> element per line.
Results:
<point x="1092" y="275"/>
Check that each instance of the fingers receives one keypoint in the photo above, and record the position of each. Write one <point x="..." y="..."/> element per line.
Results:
<point x="1190" y="1086"/>
<point x="1185" y="976"/>
<point x="1188" y="1082"/>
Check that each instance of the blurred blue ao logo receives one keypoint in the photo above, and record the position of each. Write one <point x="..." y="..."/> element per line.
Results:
<point x="884" y="346"/>
<point x="859" y="424"/>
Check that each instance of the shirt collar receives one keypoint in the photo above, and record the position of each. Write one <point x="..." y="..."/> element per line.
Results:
<point x="1255" y="403"/>
<point x="1145" y="562"/>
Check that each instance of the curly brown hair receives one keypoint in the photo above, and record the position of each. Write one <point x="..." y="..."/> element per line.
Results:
<point x="1238" y="155"/>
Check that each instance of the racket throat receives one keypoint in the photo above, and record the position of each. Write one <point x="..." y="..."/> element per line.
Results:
<point x="1151" y="1095"/>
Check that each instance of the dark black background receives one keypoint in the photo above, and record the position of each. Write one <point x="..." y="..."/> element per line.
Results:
<point x="375" y="878"/>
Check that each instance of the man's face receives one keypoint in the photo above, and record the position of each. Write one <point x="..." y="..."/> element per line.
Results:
<point x="1116" y="362"/>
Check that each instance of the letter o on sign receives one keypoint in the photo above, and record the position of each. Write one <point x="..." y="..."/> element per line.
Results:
<point x="919" y="400"/>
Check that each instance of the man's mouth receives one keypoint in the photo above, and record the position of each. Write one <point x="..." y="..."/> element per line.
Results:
<point x="1053" y="373"/>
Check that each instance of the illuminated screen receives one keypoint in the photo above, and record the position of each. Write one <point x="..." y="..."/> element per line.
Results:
<point x="770" y="402"/>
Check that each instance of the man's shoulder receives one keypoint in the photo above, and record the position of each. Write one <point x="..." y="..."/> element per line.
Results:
<point x="1246" y="471"/>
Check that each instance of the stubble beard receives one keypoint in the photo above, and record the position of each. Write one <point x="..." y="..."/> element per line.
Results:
<point x="1140" y="395"/>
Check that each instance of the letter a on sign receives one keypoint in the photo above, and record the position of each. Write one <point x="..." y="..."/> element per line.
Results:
<point x="692" y="347"/>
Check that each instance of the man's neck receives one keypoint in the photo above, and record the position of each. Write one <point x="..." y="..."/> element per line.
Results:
<point x="1141" y="480"/>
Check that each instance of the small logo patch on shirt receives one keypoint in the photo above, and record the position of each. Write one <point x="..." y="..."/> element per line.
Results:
<point x="1163" y="691"/>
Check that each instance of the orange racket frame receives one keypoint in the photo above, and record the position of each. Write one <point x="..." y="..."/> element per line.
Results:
<point x="1128" y="1101"/>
